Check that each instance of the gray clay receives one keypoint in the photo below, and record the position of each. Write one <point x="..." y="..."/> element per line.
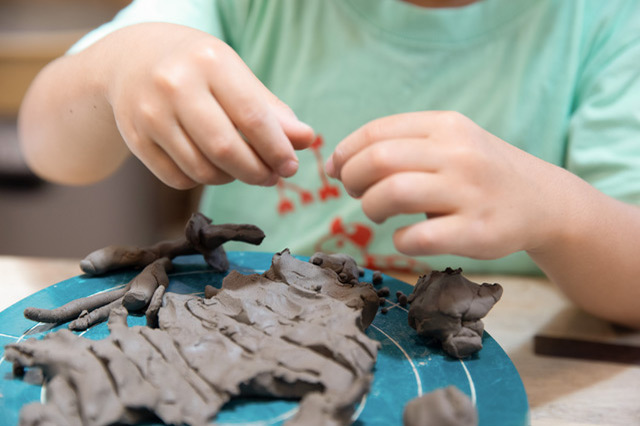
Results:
<point x="402" y="298"/>
<point x="135" y="296"/>
<point x="342" y="264"/>
<point x="142" y="287"/>
<point x="200" y="237"/>
<point x="384" y="292"/>
<point x="207" y="239"/>
<point x="442" y="407"/>
<point x="376" y="278"/>
<point x="154" y="306"/>
<point x="74" y="308"/>
<point x="295" y="331"/>
<point x="447" y="307"/>
<point x="210" y="291"/>
<point x="304" y="275"/>
<point x="144" y="292"/>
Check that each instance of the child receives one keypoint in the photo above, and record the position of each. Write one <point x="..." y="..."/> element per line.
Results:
<point x="514" y="126"/>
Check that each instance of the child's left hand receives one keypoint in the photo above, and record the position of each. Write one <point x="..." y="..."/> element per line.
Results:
<point x="484" y="197"/>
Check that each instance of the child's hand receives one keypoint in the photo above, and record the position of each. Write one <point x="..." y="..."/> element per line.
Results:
<point x="180" y="99"/>
<point x="484" y="197"/>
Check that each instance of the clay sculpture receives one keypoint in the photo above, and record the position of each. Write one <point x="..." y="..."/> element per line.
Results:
<point x="144" y="292"/>
<point x="295" y="331"/>
<point x="200" y="237"/>
<point x="447" y="308"/>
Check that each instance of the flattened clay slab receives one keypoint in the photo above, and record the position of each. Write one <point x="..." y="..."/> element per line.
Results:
<point x="295" y="332"/>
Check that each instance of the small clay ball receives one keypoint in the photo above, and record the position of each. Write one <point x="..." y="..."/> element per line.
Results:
<point x="403" y="300"/>
<point x="384" y="311"/>
<point x="377" y="278"/>
<point x="383" y="292"/>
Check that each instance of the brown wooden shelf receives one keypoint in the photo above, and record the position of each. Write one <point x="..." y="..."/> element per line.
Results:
<point x="35" y="32"/>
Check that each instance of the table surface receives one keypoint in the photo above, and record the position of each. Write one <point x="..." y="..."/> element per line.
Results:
<point x="561" y="391"/>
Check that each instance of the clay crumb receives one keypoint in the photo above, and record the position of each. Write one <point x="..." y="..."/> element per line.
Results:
<point x="377" y="278"/>
<point x="443" y="407"/>
<point x="402" y="298"/>
<point x="384" y="292"/>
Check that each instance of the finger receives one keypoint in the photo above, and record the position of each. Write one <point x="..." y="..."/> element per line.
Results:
<point x="300" y="134"/>
<point x="243" y="99"/>
<point x="159" y="163"/>
<point x="442" y="235"/>
<point x="385" y="158"/>
<point x="147" y="151"/>
<point x="408" y="193"/>
<point x="165" y="169"/>
<point x="207" y="125"/>
<point x="186" y="155"/>
<point x="398" y="126"/>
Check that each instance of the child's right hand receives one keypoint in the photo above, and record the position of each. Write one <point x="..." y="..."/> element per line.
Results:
<point x="182" y="101"/>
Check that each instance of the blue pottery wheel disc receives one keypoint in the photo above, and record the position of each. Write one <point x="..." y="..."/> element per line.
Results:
<point x="405" y="368"/>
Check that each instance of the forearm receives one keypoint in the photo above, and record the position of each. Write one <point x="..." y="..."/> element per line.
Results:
<point x="594" y="258"/>
<point x="67" y="130"/>
<point x="175" y="97"/>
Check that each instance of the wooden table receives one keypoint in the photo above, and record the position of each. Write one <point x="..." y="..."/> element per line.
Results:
<point x="561" y="391"/>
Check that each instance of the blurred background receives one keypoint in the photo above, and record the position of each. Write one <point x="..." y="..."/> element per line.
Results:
<point x="42" y="219"/>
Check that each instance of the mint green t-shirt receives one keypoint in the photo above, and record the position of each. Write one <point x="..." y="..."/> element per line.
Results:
<point x="559" y="79"/>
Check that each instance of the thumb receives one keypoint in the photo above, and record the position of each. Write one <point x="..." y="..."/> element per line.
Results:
<point x="299" y="133"/>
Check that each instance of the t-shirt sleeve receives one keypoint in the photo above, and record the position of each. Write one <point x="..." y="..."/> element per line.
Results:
<point x="211" y="16"/>
<point x="604" y="133"/>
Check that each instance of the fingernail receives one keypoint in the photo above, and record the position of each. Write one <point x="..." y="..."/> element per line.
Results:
<point x="289" y="168"/>
<point x="329" y="168"/>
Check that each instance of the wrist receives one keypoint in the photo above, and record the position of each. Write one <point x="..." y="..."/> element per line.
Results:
<point x="566" y="214"/>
